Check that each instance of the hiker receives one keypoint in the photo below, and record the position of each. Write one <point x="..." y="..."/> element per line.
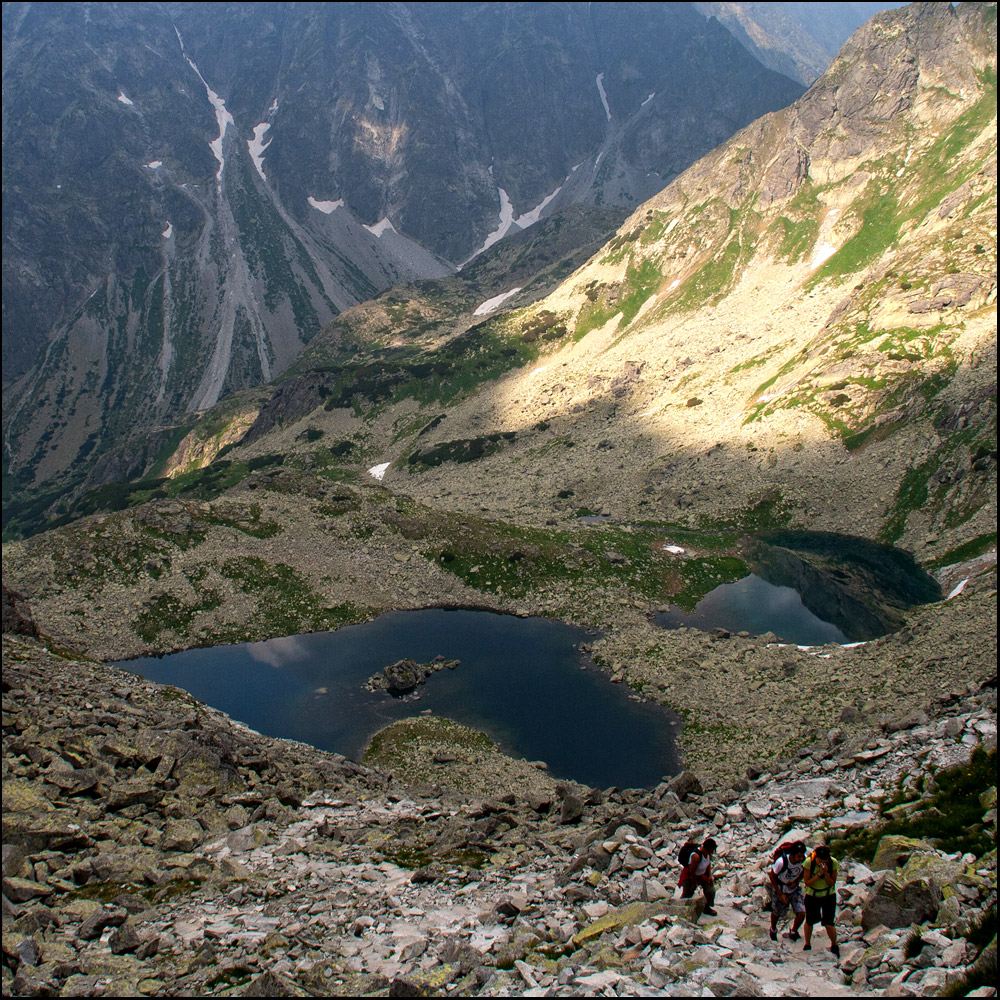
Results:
<point x="820" y="886"/>
<point x="697" y="872"/>
<point x="786" y="889"/>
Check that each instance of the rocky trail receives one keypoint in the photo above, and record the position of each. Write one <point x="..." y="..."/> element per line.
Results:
<point x="154" y="847"/>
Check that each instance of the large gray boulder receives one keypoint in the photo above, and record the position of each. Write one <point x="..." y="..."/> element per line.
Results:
<point x="898" y="902"/>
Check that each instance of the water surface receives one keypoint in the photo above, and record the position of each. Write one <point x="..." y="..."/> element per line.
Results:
<point x="813" y="588"/>
<point x="521" y="680"/>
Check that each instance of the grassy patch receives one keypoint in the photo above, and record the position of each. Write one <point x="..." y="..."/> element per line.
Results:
<point x="167" y="612"/>
<point x="483" y="353"/>
<point x="464" y="450"/>
<point x="626" y="297"/>
<point x="714" y="278"/>
<point x="396" y="743"/>
<point x="947" y="814"/>
<point x="977" y="546"/>
<point x="934" y="486"/>
<point x="884" y="210"/>
<point x="286" y="603"/>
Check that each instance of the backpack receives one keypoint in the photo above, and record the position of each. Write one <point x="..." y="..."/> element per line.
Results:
<point x="684" y="855"/>
<point x="782" y="851"/>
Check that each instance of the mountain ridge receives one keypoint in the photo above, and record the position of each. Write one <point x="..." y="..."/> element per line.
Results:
<point x="186" y="207"/>
<point x="799" y="333"/>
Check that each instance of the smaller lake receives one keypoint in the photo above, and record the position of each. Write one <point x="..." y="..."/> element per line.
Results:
<point x="521" y="680"/>
<point x="753" y="605"/>
<point x="813" y="588"/>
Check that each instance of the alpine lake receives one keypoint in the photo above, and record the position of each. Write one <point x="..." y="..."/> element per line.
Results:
<point x="526" y="682"/>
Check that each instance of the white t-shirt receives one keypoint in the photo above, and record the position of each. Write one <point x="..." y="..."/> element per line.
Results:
<point x="788" y="872"/>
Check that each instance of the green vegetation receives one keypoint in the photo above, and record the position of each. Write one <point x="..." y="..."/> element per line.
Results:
<point x="482" y="354"/>
<point x="977" y="546"/>
<point x="878" y="229"/>
<point x="166" y="451"/>
<point x="465" y="450"/>
<point x="394" y="745"/>
<point x="799" y="227"/>
<point x="286" y="603"/>
<point x="167" y="612"/>
<point x="626" y="297"/>
<point x="954" y="481"/>
<point x="756" y="361"/>
<point x="28" y="518"/>
<point x="252" y="526"/>
<point x="945" y="811"/>
<point x="512" y="560"/>
<point x="735" y="247"/>
<point x="884" y="210"/>
<point x="886" y="399"/>
<point x="108" y="892"/>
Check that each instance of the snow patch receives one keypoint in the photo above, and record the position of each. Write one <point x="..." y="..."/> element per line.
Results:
<point x="124" y="100"/>
<point x="381" y="227"/>
<point x="154" y="164"/>
<point x="604" y="96"/>
<point x="257" y="145"/>
<point x="530" y="218"/>
<point x="506" y="221"/>
<point x="957" y="590"/>
<point x="491" y="305"/>
<point x="648" y="99"/>
<point x="168" y="232"/>
<point x="378" y="471"/>
<point x="273" y="107"/>
<point x="673" y="284"/>
<point x="326" y="207"/>
<point x="822" y="253"/>
<point x="222" y="116"/>
<point x="670" y="228"/>
<point x="674" y="550"/>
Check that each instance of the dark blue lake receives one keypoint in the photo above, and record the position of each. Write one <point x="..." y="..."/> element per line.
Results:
<point x="813" y="588"/>
<point x="753" y="605"/>
<point x="521" y="680"/>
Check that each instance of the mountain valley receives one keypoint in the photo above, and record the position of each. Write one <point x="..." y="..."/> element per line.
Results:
<point x="592" y="421"/>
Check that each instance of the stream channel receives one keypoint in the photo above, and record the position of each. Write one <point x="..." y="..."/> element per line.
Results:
<point x="524" y="681"/>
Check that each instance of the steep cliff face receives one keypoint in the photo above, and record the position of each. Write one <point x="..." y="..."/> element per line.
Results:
<point x="192" y="192"/>
<point x="812" y="303"/>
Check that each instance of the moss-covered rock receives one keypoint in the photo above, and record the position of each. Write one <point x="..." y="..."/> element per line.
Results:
<point x="894" y="851"/>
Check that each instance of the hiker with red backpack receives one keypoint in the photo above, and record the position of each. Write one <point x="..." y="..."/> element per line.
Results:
<point x="820" y="883"/>
<point x="697" y="872"/>
<point x="787" y="869"/>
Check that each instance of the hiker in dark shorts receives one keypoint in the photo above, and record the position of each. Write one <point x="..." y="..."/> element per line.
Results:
<point x="786" y="889"/>
<point x="819" y="882"/>
<point x="697" y="871"/>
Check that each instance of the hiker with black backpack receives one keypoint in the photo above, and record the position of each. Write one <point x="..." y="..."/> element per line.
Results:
<point x="696" y="871"/>
<point x="787" y="868"/>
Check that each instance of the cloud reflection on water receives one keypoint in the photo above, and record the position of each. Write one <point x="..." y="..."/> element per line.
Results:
<point x="278" y="653"/>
